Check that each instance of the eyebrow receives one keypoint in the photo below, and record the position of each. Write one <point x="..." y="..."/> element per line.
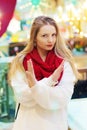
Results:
<point x="47" y="33"/>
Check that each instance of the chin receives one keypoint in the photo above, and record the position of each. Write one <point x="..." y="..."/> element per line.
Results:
<point x="50" y="48"/>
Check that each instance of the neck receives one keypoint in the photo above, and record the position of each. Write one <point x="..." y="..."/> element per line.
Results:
<point x="42" y="53"/>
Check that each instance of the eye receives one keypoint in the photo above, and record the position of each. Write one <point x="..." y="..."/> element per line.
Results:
<point x="45" y="35"/>
<point x="54" y="34"/>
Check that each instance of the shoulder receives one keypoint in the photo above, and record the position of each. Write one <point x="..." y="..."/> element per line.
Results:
<point x="19" y="74"/>
<point x="68" y="71"/>
<point x="67" y="66"/>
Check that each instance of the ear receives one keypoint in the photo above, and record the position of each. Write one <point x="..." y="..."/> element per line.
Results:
<point x="7" y="8"/>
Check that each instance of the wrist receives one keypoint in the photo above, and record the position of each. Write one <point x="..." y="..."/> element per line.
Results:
<point x="52" y="81"/>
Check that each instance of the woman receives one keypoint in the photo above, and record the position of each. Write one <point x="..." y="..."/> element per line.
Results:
<point x="42" y="77"/>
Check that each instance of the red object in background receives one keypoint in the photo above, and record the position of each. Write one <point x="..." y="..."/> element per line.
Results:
<point x="7" y="8"/>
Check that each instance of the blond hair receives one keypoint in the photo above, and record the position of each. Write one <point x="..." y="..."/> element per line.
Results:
<point x="60" y="46"/>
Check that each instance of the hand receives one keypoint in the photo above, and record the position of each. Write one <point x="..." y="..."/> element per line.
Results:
<point x="57" y="72"/>
<point x="30" y="74"/>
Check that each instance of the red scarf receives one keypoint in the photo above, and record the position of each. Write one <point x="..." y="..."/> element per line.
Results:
<point x="43" y="69"/>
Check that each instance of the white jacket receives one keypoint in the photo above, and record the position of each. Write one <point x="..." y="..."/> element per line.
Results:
<point x="43" y="107"/>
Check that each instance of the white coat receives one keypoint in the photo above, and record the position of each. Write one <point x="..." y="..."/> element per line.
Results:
<point x="43" y="107"/>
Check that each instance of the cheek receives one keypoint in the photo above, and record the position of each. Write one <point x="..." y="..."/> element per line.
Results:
<point x="55" y="39"/>
<point x="40" y="41"/>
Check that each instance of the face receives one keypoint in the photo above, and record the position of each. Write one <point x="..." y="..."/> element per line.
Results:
<point x="46" y="38"/>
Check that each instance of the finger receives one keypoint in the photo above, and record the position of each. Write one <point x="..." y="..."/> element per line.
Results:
<point x="62" y="63"/>
<point x="30" y="78"/>
<point x="59" y="69"/>
<point x="29" y="75"/>
<point x="30" y="65"/>
<point x="61" y="66"/>
<point x="30" y="68"/>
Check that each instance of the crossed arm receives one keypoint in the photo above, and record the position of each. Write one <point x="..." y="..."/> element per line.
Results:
<point x="40" y="92"/>
<point x="31" y="76"/>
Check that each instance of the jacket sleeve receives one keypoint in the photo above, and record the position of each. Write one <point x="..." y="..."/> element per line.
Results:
<point x="56" y="97"/>
<point x="21" y="90"/>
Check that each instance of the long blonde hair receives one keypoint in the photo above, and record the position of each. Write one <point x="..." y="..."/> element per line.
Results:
<point x="60" y="46"/>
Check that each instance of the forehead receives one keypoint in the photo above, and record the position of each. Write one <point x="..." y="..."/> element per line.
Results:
<point x="47" y="29"/>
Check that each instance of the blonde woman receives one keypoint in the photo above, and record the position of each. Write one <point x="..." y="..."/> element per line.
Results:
<point x="42" y="77"/>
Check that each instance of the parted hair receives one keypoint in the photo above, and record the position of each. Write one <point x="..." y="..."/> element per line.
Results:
<point x="60" y="47"/>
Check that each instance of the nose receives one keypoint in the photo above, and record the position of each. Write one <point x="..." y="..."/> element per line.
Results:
<point x="50" y="39"/>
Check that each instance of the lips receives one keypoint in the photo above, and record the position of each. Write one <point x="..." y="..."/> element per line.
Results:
<point x="50" y="45"/>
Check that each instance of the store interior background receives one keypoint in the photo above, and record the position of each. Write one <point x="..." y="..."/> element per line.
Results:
<point x="71" y="16"/>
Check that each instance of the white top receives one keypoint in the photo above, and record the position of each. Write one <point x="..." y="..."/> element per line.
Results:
<point x="43" y="107"/>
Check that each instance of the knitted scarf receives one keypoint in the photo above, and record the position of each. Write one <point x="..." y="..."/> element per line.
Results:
<point x="43" y="68"/>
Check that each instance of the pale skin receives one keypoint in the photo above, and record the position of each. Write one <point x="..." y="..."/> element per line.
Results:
<point x="45" y="41"/>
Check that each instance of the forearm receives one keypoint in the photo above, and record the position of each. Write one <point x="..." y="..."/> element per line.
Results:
<point x="50" y="96"/>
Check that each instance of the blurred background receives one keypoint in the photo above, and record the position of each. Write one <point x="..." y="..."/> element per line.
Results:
<point x="16" y="17"/>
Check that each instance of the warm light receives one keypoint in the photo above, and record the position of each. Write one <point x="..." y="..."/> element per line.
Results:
<point x="12" y="28"/>
<point x="78" y="18"/>
<point x="60" y="8"/>
<point x="71" y="23"/>
<point x="74" y="27"/>
<point x="81" y="34"/>
<point x="84" y="18"/>
<point x="77" y="30"/>
<point x="85" y="34"/>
